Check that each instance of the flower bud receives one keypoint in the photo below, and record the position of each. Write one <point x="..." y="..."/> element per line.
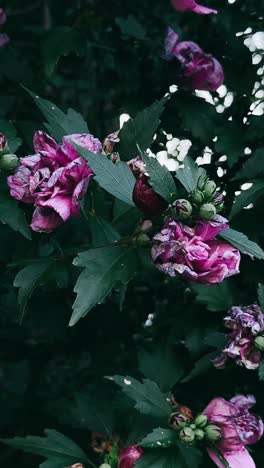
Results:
<point x="199" y="434"/>
<point x="212" y="432"/>
<point x="110" y="141"/>
<point x="129" y="456"/>
<point x="182" y="208"/>
<point x="197" y="197"/>
<point x="207" y="211"/>
<point x="105" y="465"/>
<point x="178" y="421"/>
<point x="115" y="158"/>
<point x="201" y="420"/>
<point x="259" y="342"/>
<point x="142" y="240"/>
<point x="187" y="435"/>
<point x="8" y="162"/>
<point x="2" y="141"/>
<point x="146" y="200"/>
<point x="209" y="189"/>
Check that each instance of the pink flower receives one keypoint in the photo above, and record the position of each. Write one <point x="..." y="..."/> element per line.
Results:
<point x="239" y="428"/>
<point x="245" y="323"/>
<point x="146" y="200"/>
<point x="129" y="456"/>
<point x="52" y="180"/>
<point x="201" y="70"/>
<point x="194" y="253"/>
<point x="184" y="5"/>
<point x="85" y="140"/>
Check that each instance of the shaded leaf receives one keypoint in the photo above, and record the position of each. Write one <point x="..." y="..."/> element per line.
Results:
<point x="190" y="174"/>
<point x="231" y="142"/>
<point x="248" y="196"/>
<point x="261" y="296"/>
<point x="103" y="268"/>
<point x="11" y="214"/>
<point x="242" y="243"/>
<point x="131" y="27"/>
<point x="261" y="370"/>
<point x="160" y="178"/>
<point x="10" y="131"/>
<point x="140" y="130"/>
<point x="147" y="396"/>
<point x="216" y="298"/>
<point x="201" y="366"/>
<point x="253" y="166"/>
<point x="56" y="447"/>
<point x="116" y="179"/>
<point x="160" y="438"/>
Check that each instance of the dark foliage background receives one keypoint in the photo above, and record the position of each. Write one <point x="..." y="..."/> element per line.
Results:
<point x="104" y="58"/>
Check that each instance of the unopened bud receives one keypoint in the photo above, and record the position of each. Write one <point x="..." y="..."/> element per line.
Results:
<point x="201" y="420"/>
<point x="207" y="211"/>
<point x="209" y="189"/>
<point x="142" y="240"/>
<point x="105" y="465"/>
<point x="8" y="162"/>
<point x="193" y="426"/>
<point x="213" y="432"/>
<point x="187" y="435"/>
<point x="199" y="434"/>
<point x="197" y="197"/>
<point x="115" y="158"/>
<point x="182" y="208"/>
<point x="2" y="141"/>
<point x="178" y="421"/>
<point x="259" y="342"/>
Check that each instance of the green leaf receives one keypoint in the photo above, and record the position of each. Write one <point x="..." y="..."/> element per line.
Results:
<point x="160" y="178"/>
<point x="190" y="174"/>
<point x="216" y="298"/>
<point x="231" y="142"/>
<point x="161" y="365"/>
<point x="180" y="456"/>
<point x="139" y="132"/>
<point x="59" y="124"/>
<point x="261" y="296"/>
<point x="116" y="179"/>
<point x="12" y="215"/>
<point x="103" y="268"/>
<point x="198" y="116"/>
<point x="201" y="366"/>
<point x="131" y="27"/>
<point x="242" y="243"/>
<point x="59" y="42"/>
<point x="147" y="396"/>
<point x="27" y="280"/>
<point x="87" y="412"/>
<point x="216" y="340"/>
<point x="56" y="447"/>
<point x="248" y="196"/>
<point x="261" y="370"/>
<point x="102" y="232"/>
<point x="253" y="167"/>
<point x="160" y="438"/>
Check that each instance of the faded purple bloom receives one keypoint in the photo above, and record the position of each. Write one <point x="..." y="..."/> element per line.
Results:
<point x="4" y="40"/>
<point x="2" y="141"/>
<point x="2" y="16"/>
<point x="194" y="253"/>
<point x="85" y="140"/>
<point x="146" y="200"/>
<point x="52" y="180"/>
<point x="201" y="70"/>
<point x="185" y="5"/>
<point x="245" y="324"/>
<point x="129" y="456"/>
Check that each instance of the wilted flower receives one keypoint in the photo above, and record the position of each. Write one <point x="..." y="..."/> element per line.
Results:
<point x="54" y="180"/>
<point x="2" y="141"/>
<point x="202" y="70"/>
<point x="184" y="5"/>
<point x="194" y="253"/>
<point x="245" y="323"/>
<point x="238" y="427"/>
<point x="129" y="456"/>
<point x="146" y="200"/>
<point x="110" y="141"/>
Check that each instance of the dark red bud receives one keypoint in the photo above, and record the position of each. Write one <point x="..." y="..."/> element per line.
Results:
<point x="146" y="200"/>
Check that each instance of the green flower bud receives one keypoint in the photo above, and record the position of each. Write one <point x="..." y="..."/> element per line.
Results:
<point x="207" y="211"/>
<point x="209" y="189"/>
<point x="182" y="208"/>
<point x="142" y="240"/>
<point x="201" y="420"/>
<point x="193" y="426"/>
<point x="8" y="162"/>
<point x="105" y="465"/>
<point x="187" y="435"/>
<point x="197" y="197"/>
<point x="213" y="433"/>
<point x="259" y="342"/>
<point x="178" y="421"/>
<point x="199" y="434"/>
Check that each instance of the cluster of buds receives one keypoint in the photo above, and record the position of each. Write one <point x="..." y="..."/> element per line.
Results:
<point x="8" y="161"/>
<point x="204" y="203"/>
<point x="191" y="430"/>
